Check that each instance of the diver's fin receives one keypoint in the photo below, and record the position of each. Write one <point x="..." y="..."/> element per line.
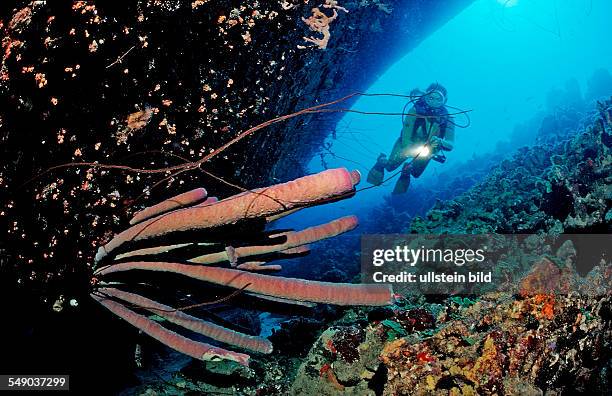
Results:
<point x="377" y="173"/>
<point x="403" y="182"/>
<point x="375" y="176"/>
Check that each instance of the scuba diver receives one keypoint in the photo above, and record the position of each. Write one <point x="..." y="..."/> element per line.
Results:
<point x="427" y="131"/>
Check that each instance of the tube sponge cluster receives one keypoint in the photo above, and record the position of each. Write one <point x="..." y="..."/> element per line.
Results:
<point x="236" y="267"/>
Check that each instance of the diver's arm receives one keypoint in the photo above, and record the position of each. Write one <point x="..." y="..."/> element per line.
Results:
<point x="408" y="126"/>
<point x="446" y="144"/>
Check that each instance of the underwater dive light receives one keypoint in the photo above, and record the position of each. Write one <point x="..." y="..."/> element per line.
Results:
<point x="422" y="151"/>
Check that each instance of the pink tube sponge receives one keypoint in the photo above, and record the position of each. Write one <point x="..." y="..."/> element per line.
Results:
<point x="195" y="349"/>
<point x="185" y="199"/>
<point x="269" y="285"/>
<point x="216" y="332"/>
<point x="327" y="185"/>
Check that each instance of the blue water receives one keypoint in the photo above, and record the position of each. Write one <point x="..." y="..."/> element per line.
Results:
<point x="502" y="59"/>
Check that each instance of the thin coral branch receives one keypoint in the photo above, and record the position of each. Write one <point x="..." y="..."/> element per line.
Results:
<point x="282" y="300"/>
<point x="191" y="165"/>
<point x="120" y="58"/>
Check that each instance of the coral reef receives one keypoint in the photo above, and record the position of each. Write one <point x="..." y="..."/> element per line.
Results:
<point x="342" y="361"/>
<point x="548" y="332"/>
<point x="555" y="188"/>
<point x="503" y="345"/>
<point x="494" y="344"/>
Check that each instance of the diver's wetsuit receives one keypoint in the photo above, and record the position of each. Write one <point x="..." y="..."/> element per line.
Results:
<point x="420" y="124"/>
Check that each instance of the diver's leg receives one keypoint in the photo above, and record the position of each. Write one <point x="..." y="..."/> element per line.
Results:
<point x="414" y="168"/>
<point x="418" y="165"/>
<point x="402" y="184"/>
<point x="397" y="157"/>
<point x="377" y="173"/>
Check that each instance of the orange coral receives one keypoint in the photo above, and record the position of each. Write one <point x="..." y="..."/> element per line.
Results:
<point x="547" y="304"/>
<point x="21" y="18"/>
<point x="488" y="366"/>
<point x="425" y="357"/>
<point x="330" y="346"/>
<point x="326" y="370"/>
<point x="319" y="22"/>
<point x="546" y="277"/>
<point x="139" y="119"/>
<point x="333" y="4"/>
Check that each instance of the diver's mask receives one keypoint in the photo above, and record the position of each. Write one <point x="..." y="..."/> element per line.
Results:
<point x="435" y="98"/>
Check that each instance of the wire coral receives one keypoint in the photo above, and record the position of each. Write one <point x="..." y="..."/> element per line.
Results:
<point x="236" y="247"/>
